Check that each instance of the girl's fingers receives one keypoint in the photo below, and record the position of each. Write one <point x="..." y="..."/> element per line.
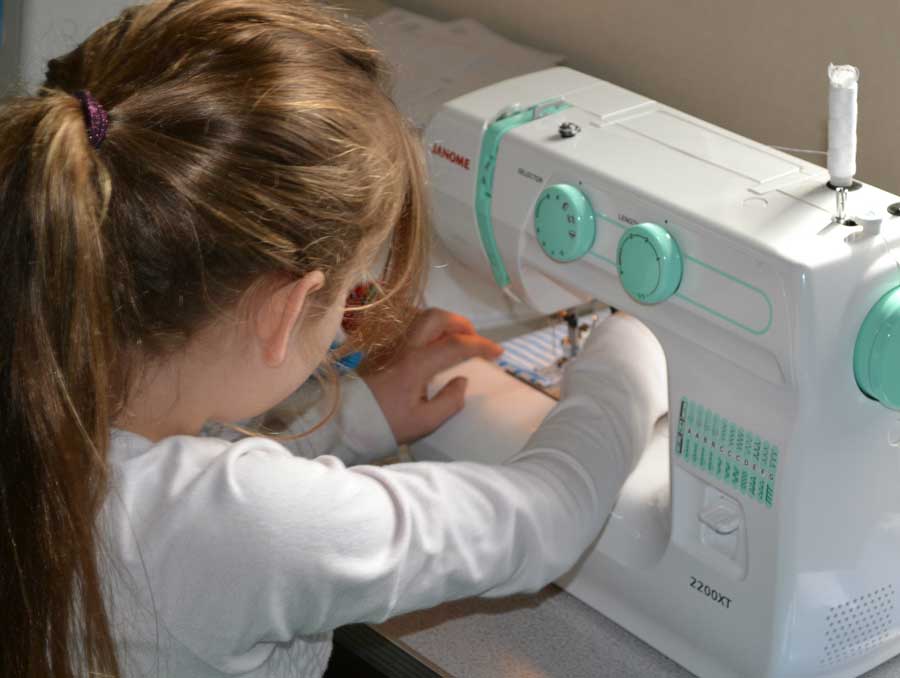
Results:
<point x="453" y="350"/>
<point x="446" y="402"/>
<point x="435" y="323"/>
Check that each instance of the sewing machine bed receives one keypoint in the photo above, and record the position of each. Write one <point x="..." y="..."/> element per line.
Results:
<point x="547" y="635"/>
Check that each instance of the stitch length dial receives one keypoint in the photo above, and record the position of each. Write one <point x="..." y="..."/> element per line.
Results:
<point x="649" y="263"/>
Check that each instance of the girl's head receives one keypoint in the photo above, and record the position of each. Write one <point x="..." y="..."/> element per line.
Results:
<point x="251" y="143"/>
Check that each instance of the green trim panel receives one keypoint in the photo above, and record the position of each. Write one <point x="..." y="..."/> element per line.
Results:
<point x="728" y="276"/>
<point x="757" y="331"/>
<point x="484" y="186"/>
<point x="611" y="262"/>
<point x="732" y="455"/>
<point x="614" y="222"/>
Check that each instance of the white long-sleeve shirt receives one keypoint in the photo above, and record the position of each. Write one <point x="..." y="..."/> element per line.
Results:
<point x="241" y="557"/>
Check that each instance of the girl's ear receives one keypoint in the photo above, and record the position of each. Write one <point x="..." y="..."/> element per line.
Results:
<point x="278" y="315"/>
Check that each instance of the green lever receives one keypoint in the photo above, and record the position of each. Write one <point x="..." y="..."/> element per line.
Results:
<point x="484" y="187"/>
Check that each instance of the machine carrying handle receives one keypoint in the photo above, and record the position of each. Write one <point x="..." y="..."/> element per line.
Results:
<point x="487" y="164"/>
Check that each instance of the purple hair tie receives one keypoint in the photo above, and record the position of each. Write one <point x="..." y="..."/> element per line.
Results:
<point x="95" y="117"/>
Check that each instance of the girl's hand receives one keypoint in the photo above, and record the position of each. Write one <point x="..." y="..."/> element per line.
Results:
<point x="438" y="341"/>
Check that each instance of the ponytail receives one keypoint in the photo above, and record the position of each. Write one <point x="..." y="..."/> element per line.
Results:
<point x="56" y="347"/>
<point x="246" y="140"/>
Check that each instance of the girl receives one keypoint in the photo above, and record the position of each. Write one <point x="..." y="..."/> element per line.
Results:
<point x="184" y="207"/>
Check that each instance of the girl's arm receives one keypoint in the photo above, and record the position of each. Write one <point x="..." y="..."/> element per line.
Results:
<point x="390" y="407"/>
<point x="357" y="432"/>
<point x="266" y="546"/>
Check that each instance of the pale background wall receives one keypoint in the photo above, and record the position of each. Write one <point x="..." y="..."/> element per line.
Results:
<point x="53" y="27"/>
<point x="753" y="66"/>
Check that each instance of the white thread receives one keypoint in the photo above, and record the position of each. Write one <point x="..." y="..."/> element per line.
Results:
<point x="512" y="295"/>
<point x="788" y="149"/>
<point x="842" y="108"/>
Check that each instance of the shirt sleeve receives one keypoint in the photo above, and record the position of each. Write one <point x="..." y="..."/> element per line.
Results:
<point x="357" y="433"/>
<point x="610" y="404"/>
<point x="250" y="545"/>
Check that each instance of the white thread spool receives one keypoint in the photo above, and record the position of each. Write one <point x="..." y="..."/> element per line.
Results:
<point x="843" y="87"/>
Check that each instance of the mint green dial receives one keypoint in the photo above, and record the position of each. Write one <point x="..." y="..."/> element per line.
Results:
<point x="564" y="223"/>
<point x="876" y="357"/>
<point x="649" y="262"/>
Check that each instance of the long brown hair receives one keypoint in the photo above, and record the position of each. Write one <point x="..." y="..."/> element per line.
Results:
<point x="246" y="138"/>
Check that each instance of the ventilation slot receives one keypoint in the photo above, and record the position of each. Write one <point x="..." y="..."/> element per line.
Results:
<point x="857" y="626"/>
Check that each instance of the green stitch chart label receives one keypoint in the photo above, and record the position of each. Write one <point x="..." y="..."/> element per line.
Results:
<point x="727" y="452"/>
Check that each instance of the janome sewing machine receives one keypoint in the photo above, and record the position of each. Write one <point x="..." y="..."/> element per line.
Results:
<point x="762" y="538"/>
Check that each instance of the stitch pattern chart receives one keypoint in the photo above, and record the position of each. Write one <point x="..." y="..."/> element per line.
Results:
<point x="729" y="453"/>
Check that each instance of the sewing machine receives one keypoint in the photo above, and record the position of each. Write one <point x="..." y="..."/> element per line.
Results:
<point x="761" y="536"/>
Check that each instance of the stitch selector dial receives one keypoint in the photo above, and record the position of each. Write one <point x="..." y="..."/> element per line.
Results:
<point x="649" y="263"/>
<point x="564" y="223"/>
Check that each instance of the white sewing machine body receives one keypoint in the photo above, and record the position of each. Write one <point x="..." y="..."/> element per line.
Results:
<point x="767" y="541"/>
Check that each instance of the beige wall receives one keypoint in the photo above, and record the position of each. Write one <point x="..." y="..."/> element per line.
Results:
<point x="753" y="66"/>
